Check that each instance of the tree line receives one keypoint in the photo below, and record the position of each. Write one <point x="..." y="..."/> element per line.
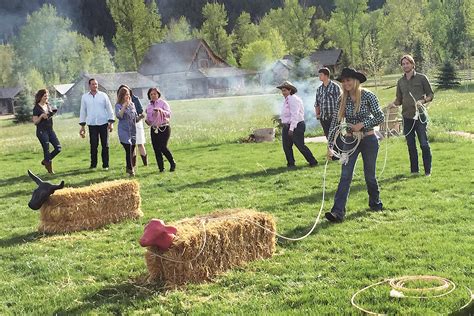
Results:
<point x="47" y="50"/>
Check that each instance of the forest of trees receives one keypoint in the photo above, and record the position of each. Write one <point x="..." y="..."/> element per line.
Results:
<point x="52" y="47"/>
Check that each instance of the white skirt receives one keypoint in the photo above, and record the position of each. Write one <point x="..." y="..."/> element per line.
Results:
<point x="140" y="133"/>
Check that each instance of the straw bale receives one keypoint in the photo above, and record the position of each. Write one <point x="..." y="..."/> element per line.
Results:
<point x="73" y="209"/>
<point x="231" y="239"/>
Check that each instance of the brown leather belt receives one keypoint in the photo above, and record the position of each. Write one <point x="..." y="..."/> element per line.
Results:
<point x="349" y="134"/>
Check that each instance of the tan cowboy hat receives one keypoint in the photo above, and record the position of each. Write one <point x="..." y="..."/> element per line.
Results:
<point x="288" y="85"/>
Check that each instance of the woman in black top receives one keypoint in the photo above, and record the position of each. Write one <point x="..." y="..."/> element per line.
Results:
<point x="43" y="119"/>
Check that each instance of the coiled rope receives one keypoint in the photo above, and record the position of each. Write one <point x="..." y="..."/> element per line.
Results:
<point x="418" y="106"/>
<point x="398" y="290"/>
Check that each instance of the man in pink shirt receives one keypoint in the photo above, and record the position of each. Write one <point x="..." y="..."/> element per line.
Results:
<point x="292" y="118"/>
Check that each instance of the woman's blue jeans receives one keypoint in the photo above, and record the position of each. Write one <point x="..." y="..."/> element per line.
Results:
<point x="46" y="137"/>
<point x="368" y="147"/>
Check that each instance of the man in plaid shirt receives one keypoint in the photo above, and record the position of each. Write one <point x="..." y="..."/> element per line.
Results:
<point x="327" y="96"/>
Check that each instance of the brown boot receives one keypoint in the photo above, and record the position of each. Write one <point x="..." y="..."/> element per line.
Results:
<point x="49" y="166"/>
<point x="131" y="172"/>
<point x="134" y="161"/>
<point x="145" y="160"/>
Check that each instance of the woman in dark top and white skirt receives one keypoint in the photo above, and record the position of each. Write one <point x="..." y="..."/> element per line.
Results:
<point x="127" y="130"/>
<point x="140" y="137"/>
<point x="43" y="119"/>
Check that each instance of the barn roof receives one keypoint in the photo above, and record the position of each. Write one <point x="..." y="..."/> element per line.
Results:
<point x="174" y="57"/>
<point x="287" y="63"/>
<point x="111" y="81"/>
<point x="9" y="93"/>
<point x="327" y="57"/>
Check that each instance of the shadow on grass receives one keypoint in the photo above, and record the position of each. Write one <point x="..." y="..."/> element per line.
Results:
<point x="114" y="298"/>
<point x="301" y="230"/>
<point x="209" y="147"/>
<point x="21" y="239"/>
<point x="17" y="194"/>
<point x="45" y="177"/>
<point x="468" y="311"/>
<point x="316" y="198"/>
<point x="240" y="176"/>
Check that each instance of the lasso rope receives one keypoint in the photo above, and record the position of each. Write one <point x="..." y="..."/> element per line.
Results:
<point x="418" y="106"/>
<point x="357" y="141"/>
<point x="398" y="290"/>
<point x="256" y="224"/>
<point x="341" y="132"/>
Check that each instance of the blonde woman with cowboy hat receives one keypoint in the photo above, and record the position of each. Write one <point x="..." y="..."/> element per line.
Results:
<point x="359" y="109"/>
<point x="292" y="118"/>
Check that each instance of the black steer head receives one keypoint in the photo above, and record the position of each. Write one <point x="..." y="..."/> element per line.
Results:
<point x="42" y="192"/>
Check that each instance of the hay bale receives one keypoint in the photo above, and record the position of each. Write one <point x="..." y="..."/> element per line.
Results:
<point x="73" y="209"/>
<point x="231" y="239"/>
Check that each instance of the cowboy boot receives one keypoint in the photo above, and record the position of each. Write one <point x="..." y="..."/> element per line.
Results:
<point x="161" y="166"/>
<point x="172" y="166"/>
<point x="131" y="172"/>
<point x="49" y="166"/>
<point x="134" y="161"/>
<point x="145" y="160"/>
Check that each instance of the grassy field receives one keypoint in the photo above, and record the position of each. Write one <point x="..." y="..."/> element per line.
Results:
<point x="426" y="227"/>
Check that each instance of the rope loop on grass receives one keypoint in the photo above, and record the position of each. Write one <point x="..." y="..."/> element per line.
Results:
<point x="399" y="290"/>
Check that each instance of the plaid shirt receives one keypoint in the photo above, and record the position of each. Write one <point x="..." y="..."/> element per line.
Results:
<point x="370" y="114"/>
<point x="326" y="99"/>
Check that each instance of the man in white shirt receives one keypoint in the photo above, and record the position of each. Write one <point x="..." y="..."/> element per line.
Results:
<point x="97" y="113"/>
<point x="292" y="118"/>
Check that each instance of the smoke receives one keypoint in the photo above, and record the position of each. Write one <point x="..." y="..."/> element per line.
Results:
<point x="180" y="73"/>
<point x="303" y="77"/>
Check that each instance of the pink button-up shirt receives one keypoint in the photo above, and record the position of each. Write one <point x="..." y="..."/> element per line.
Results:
<point x="292" y="111"/>
<point x="157" y="118"/>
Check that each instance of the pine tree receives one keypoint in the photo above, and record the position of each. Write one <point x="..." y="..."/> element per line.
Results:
<point x="447" y="77"/>
<point x="178" y="30"/>
<point x="213" y="31"/>
<point x="23" y="105"/>
<point x="138" y="27"/>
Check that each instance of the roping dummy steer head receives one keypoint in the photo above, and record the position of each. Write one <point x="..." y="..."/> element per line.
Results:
<point x="42" y="192"/>
<point x="158" y="234"/>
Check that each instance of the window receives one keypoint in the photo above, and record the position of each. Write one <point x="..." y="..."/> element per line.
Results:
<point x="203" y="63"/>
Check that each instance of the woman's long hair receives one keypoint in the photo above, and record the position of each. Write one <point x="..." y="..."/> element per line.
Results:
<point x="345" y="94"/>
<point x="121" y="95"/>
<point x="39" y="95"/>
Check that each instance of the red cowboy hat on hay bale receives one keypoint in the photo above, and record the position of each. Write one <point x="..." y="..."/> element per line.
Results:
<point x="158" y="234"/>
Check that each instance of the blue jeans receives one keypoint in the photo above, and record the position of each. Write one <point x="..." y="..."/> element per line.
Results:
<point x="410" y="127"/>
<point x="368" y="147"/>
<point x="46" y="137"/>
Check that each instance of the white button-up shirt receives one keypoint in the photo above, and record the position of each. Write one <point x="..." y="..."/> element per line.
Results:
<point x="293" y="111"/>
<point x="96" y="109"/>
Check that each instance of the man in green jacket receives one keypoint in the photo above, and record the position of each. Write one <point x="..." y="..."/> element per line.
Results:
<point x="414" y="90"/>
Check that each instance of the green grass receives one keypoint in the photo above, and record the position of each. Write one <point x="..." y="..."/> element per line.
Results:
<point x="426" y="227"/>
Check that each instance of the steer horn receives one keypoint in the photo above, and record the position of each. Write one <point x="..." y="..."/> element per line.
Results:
<point x="42" y="192"/>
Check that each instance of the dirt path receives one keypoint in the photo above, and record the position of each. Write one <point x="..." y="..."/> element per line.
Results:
<point x="462" y="134"/>
<point x="319" y="139"/>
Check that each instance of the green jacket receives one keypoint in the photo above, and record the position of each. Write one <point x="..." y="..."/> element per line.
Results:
<point x="419" y="86"/>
